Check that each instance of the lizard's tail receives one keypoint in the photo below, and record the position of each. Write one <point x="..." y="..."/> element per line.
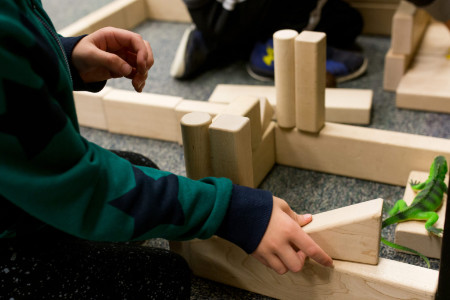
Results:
<point x="403" y="248"/>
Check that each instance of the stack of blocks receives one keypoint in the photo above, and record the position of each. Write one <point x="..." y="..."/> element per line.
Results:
<point x="226" y="145"/>
<point x="416" y="66"/>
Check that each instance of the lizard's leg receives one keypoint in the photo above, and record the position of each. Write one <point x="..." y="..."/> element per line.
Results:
<point x="417" y="185"/>
<point x="398" y="206"/>
<point x="431" y="217"/>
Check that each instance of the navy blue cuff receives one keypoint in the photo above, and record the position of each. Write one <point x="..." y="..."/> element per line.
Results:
<point x="247" y="217"/>
<point x="68" y="44"/>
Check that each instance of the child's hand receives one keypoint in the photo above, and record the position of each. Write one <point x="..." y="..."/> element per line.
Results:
<point x="285" y="245"/>
<point x="112" y="53"/>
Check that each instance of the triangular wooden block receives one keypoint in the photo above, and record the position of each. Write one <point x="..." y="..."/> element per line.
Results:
<point x="350" y="233"/>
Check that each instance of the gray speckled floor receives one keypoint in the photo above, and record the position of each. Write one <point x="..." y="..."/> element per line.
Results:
<point x="306" y="191"/>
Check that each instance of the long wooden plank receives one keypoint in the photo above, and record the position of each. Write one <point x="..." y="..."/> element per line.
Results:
<point x="351" y="106"/>
<point x="426" y="85"/>
<point x="90" y="111"/>
<point x="222" y="261"/>
<point x="142" y="114"/>
<point x="366" y="153"/>
<point x="413" y="234"/>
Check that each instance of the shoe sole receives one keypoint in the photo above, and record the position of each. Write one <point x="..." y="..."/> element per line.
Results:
<point x="178" y="65"/>
<point x="353" y="75"/>
<point x="258" y="77"/>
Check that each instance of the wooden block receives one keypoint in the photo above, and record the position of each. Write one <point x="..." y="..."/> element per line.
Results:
<point x="310" y="58"/>
<point x="225" y="93"/>
<point x="90" y="111"/>
<point x="142" y="114"/>
<point x="231" y="149"/>
<point x="222" y="261"/>
<point x="135" y="13"/>
<point x="350" y="233"/>
<point x="352" y="106"/>
<point x="413" y="234"/>
<point x="188" y="106"/>
<point x="168" y="10"/>
<point x="264" y="155"/>
<point x="248" y="106"/>
<point x="112" y="14"/>
<point x="267" y="113"/>
<point x="360" y="152"/>
<point x="395" y="66"/>
<point x="408" y="26"/>
<point x="77" y="28"/>
<point x="284" y="65"/>
<point x="197" y="154"/>
<point x="426" y="85"/>
<point x="353" y="110"/>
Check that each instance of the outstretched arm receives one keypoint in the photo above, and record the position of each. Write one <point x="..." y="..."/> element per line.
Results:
<point x="112" y="53"/>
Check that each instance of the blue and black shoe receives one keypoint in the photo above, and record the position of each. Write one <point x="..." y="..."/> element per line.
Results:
<point x="191" y="55"/>
<point x="342" y="65"/>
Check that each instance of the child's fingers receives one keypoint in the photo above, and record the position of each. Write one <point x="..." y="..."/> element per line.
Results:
<point x="305" y="243"/>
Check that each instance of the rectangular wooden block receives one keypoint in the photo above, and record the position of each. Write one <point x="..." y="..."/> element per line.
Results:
<point x="351" y="106"/>
<point x="310" y="58"/>
<point x="377" y="16"/>
<point x="413" y="234"/>
<point x="142" y="114"/>
<point x="231" y="149"/>
<point x="426" y="85"/>
<point x="264" y="155"/>
<point x="366" y="153"/>
<point x="350" y="233"/>
<point x="267" y="113"/>
<point x="168" y="10"/>
<point x="408" y="26"/>
<point x="222" y="261"/>
<point x="250" y="107"/>
<point x="188" y="106"/>
<point x="395" y="66"/>
<point x="90" y="111"/>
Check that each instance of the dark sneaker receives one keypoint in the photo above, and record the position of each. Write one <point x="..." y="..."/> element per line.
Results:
<point x="341" y="65"/>
<point x="345" y="65"/>
<point x="261" y="65"/>
<point x="191" y="55"/>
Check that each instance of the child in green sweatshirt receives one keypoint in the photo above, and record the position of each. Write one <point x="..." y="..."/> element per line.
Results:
<point x="67" y="205"/>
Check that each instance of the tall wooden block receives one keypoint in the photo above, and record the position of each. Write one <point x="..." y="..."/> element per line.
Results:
<point x="360" y="152"/>
<point x="142" y="114"/>
<point x="197" y="154"/>
<point x="250" y="107"/>
<point x="267" y="113"/>
<point x="231" y="149"/>
<point x="395" y="66"/>
<point x="310" y="57"/>
<point x="350" y="233"/>
<point x="264" y="155"/>
<point x="90" y="111"/>
<point x="284" y="64"/>
<point x="413" y="234"/>
<point x="222" y="261"/>
<point x="408" y="26"/>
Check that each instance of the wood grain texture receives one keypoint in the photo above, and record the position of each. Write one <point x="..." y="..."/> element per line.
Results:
<point x="222" y="261"/>
<point x="90" y="111"/>
<point x="264" y="156"/>
<point x="196" y="147"/>
<point x="231" y="149"/>
<point x="310" y="58"/>
<point x="359" y="152"/>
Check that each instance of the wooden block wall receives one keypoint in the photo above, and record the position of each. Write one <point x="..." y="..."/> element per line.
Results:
<point x="365" y="153"/>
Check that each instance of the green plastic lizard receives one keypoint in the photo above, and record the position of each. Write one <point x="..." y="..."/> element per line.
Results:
<point x="424" y="206"/>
